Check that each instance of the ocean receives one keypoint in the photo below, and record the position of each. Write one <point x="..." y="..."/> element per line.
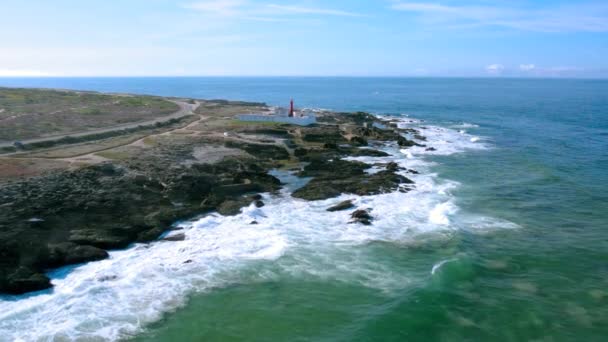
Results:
<point x="505" y="237"/>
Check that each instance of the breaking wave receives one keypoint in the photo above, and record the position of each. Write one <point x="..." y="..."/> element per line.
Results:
<point x="117" y="297"/>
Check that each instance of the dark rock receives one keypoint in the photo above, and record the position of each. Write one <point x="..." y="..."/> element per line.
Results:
<point x="420" y="137"/>
<point x="333" y="168"/>
<point x="430" y="149"/>
<point x="236" y="189"/>
<point x="68" y="253"/>
<point x="403" y="142"/>
<point x="150" y="235"/>
<point x="298" y="152"/>
<point x="361" y="118"/>
<point x="316" y="192"/>
<point x="366" y="152"/>
<point x="392" y="166"/>
<point x="259" y="203"/>
<point x="361" y="216"/>
<point x="263" y="151"/>
<point x="232" y="207"/>
<point x="176" y="237"/>
<point x="253" y="222"/>
<point x="116" y="238"/>
<point x="107" y="278"/>
<point x="256" y="197"/>
<point x="342" y="206"/>
<point x="330" y="146"/>
<point x="332" y="178"/>
<point x="322" y="134"/>
<point x="358" y="141"/>
<point x="140" y="179"/>
<point x="188" y="261"/>
<point x="23" y="280"/>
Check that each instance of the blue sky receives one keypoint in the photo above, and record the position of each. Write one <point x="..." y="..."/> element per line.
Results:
<point x="516" y="38"/>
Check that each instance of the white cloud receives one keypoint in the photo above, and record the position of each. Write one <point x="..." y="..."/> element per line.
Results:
<point x="582" y="17"/>
<point x="310" y="10"/>
<point x="23" y="73"/>
<point x="495" y="69"/>
<point x="422" y="7"/>
<point x="262" y="12"/>
<point x="217" y="7"/>
<point x="527" y="67"/>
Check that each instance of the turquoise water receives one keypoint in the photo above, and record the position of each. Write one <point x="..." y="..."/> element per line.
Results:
<point x="523" y="254"/>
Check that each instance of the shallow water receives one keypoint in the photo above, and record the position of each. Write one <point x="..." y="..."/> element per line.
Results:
<point x="503" y="238"/>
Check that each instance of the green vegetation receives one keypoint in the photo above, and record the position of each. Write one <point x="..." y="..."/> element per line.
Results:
<point x="33" y="113"/>
<point x="255" y="123"/>
<point x="95" y="136"/>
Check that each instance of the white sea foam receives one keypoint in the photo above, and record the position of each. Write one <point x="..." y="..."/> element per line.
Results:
<point x="117" y="297"/>
<point x="465" y="125"/>
<point x="438" y="265"/>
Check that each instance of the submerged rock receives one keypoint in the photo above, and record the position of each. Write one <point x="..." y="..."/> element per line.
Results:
<point x="342" y="206"/>
<point x="361" y="216"/>
<point x="176" y="237"/>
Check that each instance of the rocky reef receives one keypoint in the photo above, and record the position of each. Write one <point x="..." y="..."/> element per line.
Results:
<point x="67" y="217"/>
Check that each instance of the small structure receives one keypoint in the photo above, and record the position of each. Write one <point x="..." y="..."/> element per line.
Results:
<point x="282" y="115"/>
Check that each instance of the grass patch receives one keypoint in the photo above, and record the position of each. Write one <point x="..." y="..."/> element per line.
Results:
<point x="255" y="123"/>
<point x="115" y="155"/>
<point x="36" y="113"/>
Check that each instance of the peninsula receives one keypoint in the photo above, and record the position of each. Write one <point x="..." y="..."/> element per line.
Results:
<point x="82" y="173"/>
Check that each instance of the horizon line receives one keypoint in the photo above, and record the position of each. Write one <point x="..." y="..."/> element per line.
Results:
<point x="312" y="76"/>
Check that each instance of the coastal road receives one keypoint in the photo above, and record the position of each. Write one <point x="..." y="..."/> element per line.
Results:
<point x="184" y="110"/>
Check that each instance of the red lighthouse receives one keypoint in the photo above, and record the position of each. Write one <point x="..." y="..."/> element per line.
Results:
<point x="291" y="112"/>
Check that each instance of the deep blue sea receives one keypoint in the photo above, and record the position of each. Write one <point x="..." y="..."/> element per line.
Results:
<point x="505" y="238"/>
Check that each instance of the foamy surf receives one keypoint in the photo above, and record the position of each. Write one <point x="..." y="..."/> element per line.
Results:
<point x="118" y="297"/>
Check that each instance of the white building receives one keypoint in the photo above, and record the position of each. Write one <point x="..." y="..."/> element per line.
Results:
<point x="282" y="115"/>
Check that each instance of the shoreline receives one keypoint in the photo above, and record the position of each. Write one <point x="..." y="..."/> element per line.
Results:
<point x="73" y="216"/>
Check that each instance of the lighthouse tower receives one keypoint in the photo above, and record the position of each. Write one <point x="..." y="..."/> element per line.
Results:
<point x="291" y="111"/>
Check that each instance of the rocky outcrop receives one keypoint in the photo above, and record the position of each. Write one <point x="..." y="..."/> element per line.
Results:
<point x="323" y="134"/>
<point x="361" y="216"/>
<point x="71" y="217"/>
<point x="262" y="151"/>
<point x="75" y="216"/>
<point x="335" y="177"/>
<point x="341" y="206"/>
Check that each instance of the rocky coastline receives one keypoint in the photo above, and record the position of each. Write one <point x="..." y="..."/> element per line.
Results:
<point x="71" y="216"/>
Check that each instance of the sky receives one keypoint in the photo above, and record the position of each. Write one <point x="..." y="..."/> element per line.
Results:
<point x="436" y="38"/>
